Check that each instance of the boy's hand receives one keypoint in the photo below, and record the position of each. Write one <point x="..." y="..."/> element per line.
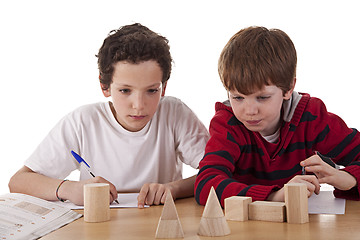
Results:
<point x="153" y="194"/>
<point x="74" y="190"/>
<point x="311" y="182"/>
<point x="327" y="174"/>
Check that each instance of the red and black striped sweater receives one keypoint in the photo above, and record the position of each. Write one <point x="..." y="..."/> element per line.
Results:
<point x="241" y="162"/>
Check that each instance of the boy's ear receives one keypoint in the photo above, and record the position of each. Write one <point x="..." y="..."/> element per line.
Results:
<point x="163" y="89"/>
<point x="105" y="89"/>
<point x="287" y="95"/>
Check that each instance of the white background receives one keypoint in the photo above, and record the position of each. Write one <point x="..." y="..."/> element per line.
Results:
<point x="48" y="64"/>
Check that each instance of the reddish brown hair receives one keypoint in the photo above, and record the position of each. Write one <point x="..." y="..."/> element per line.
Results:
<point x="255" y="57"/>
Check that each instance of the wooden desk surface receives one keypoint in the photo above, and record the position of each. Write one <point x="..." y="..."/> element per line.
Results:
<point x="133" y="223"/>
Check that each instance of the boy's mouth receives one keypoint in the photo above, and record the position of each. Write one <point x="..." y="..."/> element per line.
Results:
<point x="137" y="117"/>
<point x="253" y="122"/>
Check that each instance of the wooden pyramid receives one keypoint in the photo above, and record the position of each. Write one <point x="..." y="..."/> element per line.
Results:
<point x="169" y="225"/>
<point x="213" y="222"/>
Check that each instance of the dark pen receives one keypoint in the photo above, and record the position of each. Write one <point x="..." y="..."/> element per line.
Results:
<point x="80" y="160"/>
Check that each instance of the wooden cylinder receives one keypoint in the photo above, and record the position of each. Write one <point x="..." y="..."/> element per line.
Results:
<point x="96" y="202"/>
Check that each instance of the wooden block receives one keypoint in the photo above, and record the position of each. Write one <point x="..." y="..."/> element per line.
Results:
<point x="296" y="201"/>
<point x="237" y="208"/>
<point x="169" y="225"/>
<point x="96" y="202"/>
<point x="267" y="211"/>
<point x="213" y="222"/>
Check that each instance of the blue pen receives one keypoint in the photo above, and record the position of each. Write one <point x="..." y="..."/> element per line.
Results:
<point x="81" y="160"/>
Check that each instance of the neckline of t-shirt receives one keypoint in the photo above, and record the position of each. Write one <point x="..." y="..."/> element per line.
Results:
<point x="119" y="127"/>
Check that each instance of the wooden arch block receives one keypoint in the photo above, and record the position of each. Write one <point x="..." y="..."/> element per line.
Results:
<point x="213" y="222"/>
<point x="169" y="225"/>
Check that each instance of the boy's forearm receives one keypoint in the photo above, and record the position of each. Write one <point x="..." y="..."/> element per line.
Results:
<point x="183" y="188"/>
<point x="27" y="182"/>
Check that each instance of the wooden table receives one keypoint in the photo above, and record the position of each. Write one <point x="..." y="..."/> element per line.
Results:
<point x="133" y="223"/>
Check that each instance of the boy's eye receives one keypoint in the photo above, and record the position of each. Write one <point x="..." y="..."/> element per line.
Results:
<point x="237" y="98"/>
<point x="263" y="97"/>
<point x="124" y="90"/>
<point x="155" y="90"/>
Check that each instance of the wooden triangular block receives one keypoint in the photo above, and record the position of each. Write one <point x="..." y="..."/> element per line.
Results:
<point x="169" y="225"/>
<point x="169" y="210"/>
<point x="213" y="222"/>
<point x="212" y="207"/>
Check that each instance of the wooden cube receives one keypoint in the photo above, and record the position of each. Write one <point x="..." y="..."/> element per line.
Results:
<point x="237" y="208"/>
<point x="267" y="211"/>
<point x="296" y="201"/>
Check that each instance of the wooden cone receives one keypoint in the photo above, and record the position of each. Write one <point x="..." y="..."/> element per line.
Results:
<point x="213" y="222"/>
<point x="169" y="225"/>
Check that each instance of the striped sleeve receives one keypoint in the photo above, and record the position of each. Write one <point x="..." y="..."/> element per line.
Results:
<point x="341" y="144"/>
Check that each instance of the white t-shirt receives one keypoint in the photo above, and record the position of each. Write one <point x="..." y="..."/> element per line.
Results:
<point x="127" y="159"/>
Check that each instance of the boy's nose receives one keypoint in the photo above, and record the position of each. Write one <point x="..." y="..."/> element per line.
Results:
<point x="251" y="108"/>
<point x="138" y="102"/>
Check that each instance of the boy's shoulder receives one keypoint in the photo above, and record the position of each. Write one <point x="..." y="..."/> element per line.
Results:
<point x="224" y="108"/>
<point x="225" y="114"/>
<point x="89" y="111"/>
<point x="170" y="103"/>
<point x="90" y="108"/>
<point x="174" y="109"/>
<point x="313" y="103"/>
<point x="170" y="100"/>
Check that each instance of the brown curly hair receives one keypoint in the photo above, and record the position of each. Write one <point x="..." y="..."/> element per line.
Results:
<point x="133" y="43"/>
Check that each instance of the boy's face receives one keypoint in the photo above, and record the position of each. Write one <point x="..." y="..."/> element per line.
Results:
<point x="261" y="110"/>
<point x="135" y="90"/>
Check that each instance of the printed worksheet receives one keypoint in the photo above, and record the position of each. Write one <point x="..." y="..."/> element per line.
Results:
<point x="26" y="217"/>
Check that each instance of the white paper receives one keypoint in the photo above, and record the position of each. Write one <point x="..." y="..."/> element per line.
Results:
<point x="126" y="200"/>
<point x="326" y="203"/>
<point x="26" y="217"/>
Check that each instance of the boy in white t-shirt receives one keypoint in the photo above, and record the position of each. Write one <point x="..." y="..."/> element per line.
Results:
<point x="136" y="143"/>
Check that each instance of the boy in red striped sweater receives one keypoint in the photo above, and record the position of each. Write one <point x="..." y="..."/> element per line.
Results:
<point x="266" y="133"/>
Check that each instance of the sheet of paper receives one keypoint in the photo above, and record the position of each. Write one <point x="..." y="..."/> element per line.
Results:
<point x="326" y="203"/>
<point x="126" y="200"/>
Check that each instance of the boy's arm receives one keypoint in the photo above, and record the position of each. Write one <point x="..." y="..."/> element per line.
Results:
<point x="327" y="174"/>
<point x="29" y="182"/>
<point x="182" y="188"/>
<point x="154" y="193"/>
<point x="311" y="182"/>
